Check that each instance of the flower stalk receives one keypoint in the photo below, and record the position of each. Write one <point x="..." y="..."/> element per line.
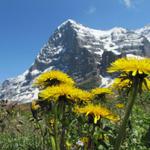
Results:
<point x="91" y="136"/>
<point x="63" y="129"/>
<point x="122" y="129"/>
<point x="56" y="130"/>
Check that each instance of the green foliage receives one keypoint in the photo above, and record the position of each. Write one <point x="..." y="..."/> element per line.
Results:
<point x="21" y="132"/>
<point x="56" y="125"/>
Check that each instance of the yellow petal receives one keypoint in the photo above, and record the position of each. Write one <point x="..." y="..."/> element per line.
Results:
<point x="95" y="119"/>
<point x="140" y="72"/>
<point x="134" y="73"/>
<point x="87" y="113"/>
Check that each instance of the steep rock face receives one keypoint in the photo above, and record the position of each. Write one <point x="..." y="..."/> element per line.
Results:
<point x="64" y="52"/>
<point x="81" y="52"/>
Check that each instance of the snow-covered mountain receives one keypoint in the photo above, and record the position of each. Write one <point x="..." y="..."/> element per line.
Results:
<point x="144" y="31"/>
<point x="82" y="52"/>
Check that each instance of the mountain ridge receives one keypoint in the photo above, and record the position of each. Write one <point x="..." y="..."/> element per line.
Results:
<point x="80" y="51"/>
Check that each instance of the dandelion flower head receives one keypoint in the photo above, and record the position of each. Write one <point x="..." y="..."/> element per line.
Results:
<point x="135" y="66"/>
<point x="34" y="105"/>
<point x="100" y="91"/>
<point x="53" y="77"/>
<point x="71" y="93"/>
<point x="120" y="83"/>
<point x="96" y="111"/>
<point x="120" y="105"/>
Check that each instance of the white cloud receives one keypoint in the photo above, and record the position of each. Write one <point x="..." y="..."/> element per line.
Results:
<point x="127" y="3"/>
<point x="91" y="10"/>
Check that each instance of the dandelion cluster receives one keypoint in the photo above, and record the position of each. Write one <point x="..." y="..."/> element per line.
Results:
<point x="134" y="73"/>
<point x="64" y="107"/>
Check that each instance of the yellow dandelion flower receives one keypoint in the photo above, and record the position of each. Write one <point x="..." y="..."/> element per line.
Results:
<point x="70" y="93"/>
<point x="68" y="144"/>
<point x="120" y="83"/>
<point x="120" y="105"/>
<point x="51" y="121"/>
<point x="34" y="105"/>
<point x="104" y="137"/>
<point x="135" y="69"/>
<point x="53" y="77"/>
<point x="84" y="140"/>
<point x="114" y="118"/>
<point x="100" y="91"/>
<point x="132" y="65"/>
<point x="97" y="111"/>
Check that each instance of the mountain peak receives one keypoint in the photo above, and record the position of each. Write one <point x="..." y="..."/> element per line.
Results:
<point x="69" y="22"/>
<point x="118" y="30"/>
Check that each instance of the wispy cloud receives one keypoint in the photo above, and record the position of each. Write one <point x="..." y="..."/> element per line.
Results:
<point x="91" y="10"/>
<point x="128" y="3"/>
<point x="132" y="3"/>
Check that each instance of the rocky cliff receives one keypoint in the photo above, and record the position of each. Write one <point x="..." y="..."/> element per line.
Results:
<point x="82" y="52"/>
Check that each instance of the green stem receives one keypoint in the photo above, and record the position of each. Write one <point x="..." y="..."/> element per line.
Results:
<point x="130" y="104"/>
<point x="42" y="134"/>
<point x="90" y="139"/>
<point x="51" y="139"/>
<point x="62" y="141"/>
<point x="53" y="143"/>
<point x="56" y="129"/>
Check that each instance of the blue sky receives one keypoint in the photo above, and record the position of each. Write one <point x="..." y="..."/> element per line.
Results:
<point x="25" y="25"/>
